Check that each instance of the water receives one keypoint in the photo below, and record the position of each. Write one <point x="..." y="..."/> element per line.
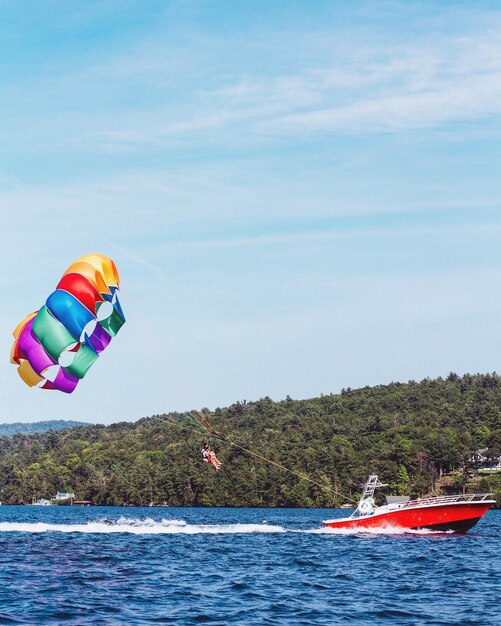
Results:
<point x="110" y="565"/>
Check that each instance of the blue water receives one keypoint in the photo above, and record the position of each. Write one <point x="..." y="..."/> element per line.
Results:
<point x="108" y="565"/>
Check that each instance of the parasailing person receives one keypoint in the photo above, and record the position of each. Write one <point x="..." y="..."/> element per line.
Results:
<point x="209" y="456"/>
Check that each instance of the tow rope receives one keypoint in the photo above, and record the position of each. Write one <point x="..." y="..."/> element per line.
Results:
<point x="211" y="431"/>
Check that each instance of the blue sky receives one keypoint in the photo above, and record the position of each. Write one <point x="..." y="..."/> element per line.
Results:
<point x="299" y="196"/>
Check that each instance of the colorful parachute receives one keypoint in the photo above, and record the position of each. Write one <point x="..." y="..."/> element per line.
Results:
<point x="55" y="346"/>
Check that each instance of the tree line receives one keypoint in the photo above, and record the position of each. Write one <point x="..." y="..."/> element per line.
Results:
<point x="420" y="437"/>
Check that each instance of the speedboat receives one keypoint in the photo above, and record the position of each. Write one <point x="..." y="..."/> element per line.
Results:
<point x="443" y="513"/>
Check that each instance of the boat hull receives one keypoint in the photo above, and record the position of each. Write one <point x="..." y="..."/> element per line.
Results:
<point x="455" y="517"/>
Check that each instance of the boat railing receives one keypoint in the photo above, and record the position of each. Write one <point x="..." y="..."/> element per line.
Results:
<point x="466" y="497"/>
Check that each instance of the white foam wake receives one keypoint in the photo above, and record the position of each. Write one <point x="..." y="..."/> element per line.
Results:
<point x="147" y="526"/>
<point x="150" y="526"/>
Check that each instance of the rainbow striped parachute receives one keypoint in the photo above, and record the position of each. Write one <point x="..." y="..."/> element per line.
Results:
<point x="55" y="346"/>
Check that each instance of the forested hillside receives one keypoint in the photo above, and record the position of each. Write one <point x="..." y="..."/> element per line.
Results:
<point x="36" y="427"/>
<point x="410" y="434"/>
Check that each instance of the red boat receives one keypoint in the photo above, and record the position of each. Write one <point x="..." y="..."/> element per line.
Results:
<point x="443" y="513"/>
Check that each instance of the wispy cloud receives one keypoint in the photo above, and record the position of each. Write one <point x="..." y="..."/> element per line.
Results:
<point x="159" y="94"/>
<point x="440" y="101"/>
<point x="371" y="89"/>
<point x="128" y="253"/>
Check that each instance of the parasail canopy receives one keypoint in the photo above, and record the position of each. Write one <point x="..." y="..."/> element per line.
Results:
<point x="55" y="346"/>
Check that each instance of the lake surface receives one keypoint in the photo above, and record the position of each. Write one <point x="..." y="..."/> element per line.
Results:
<point x="112" y="565"/>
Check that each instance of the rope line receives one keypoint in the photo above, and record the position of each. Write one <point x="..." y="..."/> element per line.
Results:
<point x="287" y="469"/>
<point x="212" y="431"/>
<point x="171" y="421"/>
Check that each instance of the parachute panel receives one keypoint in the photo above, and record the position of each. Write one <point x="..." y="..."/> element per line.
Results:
<point x="51" y="333"/>
<point x="83" y="290"/>
<point x="113" y="323"/>
<point x="64" y="381"/>
<point x="33" y="350"/>
<point x="84" y="359"/>
<point x="28" y="374"/>
<point x="92" y="275"/>
<point x="99" y="339"/>
<point x="72" y="314"/>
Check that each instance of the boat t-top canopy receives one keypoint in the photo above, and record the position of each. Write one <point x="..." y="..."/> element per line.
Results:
<point x="370" y="487"/>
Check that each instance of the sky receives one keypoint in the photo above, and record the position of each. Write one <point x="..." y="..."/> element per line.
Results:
<point x="299" y="196"/>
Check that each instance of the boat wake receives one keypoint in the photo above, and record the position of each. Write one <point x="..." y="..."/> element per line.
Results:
<point x="146" y="526"/>
<point x="150" y="526"/>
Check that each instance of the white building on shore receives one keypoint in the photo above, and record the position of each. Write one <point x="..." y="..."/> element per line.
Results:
<point x="62" y="496"/>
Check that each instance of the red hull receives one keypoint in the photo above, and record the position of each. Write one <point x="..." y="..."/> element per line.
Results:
<point x="458" y="517"/>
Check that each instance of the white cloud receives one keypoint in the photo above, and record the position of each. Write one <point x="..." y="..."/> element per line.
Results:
<point x="193" y="90"/>
<point x="371" y="89"/>
<point x="442" y="102"/>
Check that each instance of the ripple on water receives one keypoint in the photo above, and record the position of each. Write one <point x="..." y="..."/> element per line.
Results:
<point x="228" y="566"/>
